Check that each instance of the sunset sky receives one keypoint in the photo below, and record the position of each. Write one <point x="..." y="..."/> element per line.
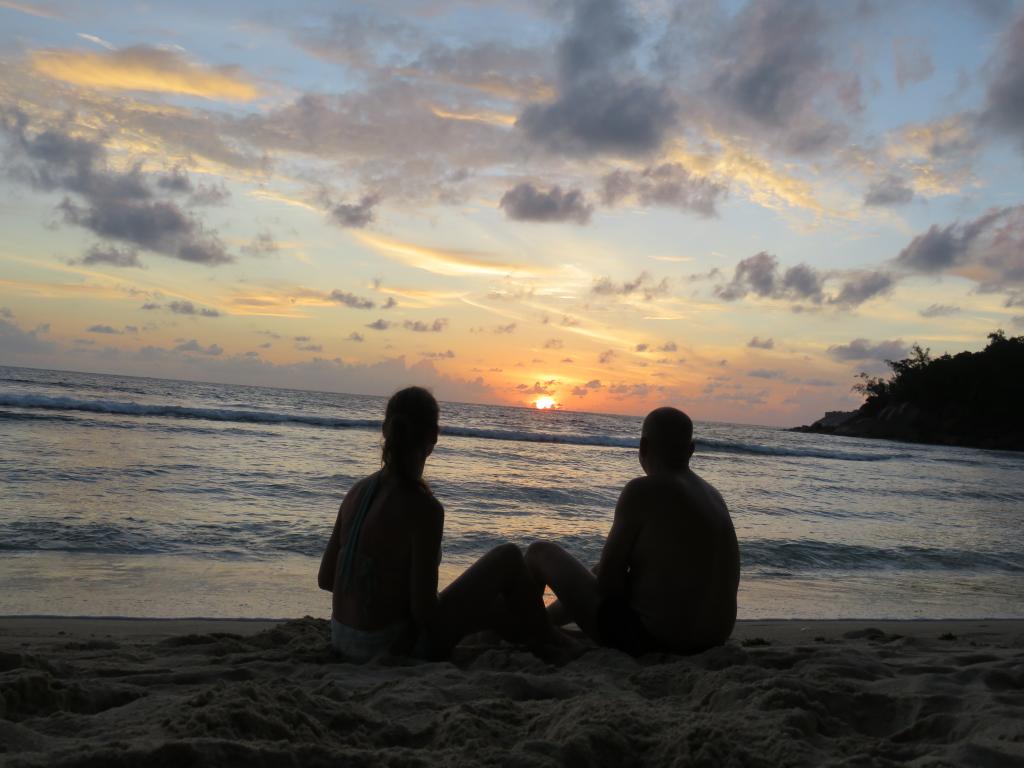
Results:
<point x="731" y="207"/>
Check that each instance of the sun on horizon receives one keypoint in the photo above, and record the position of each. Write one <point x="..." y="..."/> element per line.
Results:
<point x="544" y="403"/>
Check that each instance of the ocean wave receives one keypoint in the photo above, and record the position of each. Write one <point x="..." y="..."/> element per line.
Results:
<point x="788" y="556"/>
<point x="261" y="540"/>
<point x="129" y="408"/>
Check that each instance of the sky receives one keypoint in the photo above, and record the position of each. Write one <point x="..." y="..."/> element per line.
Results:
<point x="606" y="206"/>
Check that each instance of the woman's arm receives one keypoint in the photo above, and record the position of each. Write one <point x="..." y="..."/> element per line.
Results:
<point x="425" y="558"/>
<point x="329" y="561"/>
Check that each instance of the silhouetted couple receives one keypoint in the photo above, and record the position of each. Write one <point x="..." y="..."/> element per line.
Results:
<point x="666" y="580"/>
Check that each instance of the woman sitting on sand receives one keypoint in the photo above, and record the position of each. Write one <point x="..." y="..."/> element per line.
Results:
<point x="382" y="559"/>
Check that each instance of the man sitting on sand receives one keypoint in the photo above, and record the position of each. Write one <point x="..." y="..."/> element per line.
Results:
<point x="670" y="568"/>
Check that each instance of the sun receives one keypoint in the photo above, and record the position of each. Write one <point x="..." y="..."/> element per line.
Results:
<point x="544" y="403"/>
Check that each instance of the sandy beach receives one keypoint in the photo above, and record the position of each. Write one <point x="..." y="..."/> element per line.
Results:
<point x="124" y="692"/>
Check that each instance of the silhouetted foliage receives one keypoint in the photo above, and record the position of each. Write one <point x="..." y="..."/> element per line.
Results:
<point x="971" y="398"/>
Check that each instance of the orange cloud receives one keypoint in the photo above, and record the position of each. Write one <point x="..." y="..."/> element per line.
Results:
<point x="440" y="261"/>
<point x="142" y="68"/>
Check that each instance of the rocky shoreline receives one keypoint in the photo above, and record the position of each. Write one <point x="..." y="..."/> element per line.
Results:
<point x="909" y="423"/>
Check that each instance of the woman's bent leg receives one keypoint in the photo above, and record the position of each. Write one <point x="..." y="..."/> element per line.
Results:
<point x="496" y="592"/>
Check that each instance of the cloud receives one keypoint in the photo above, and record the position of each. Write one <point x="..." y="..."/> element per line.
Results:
<point x="309" y="347"/>
<point x="603" y="105"/>
<point x="194" y="346"/>
<point x="758" y="343"/>
<point x="988" y="249"/>
<point x="102" y="329"/>
<point x="759" y="274"/>
<point x="554" y="344"/>
<point x="504" y="329"/>
<point x="446" y="355"/>
<point x="857" y="289"/>
<point x="379" y="324"/>
<point x="668" y="346"/>
<point x="1004" y="105"/>
<point x="448" y="262"/>
<point x="262" y="245"/>
<point x="421" y="327"/>
<point x="767" y="373"/>
<point x="188" y="308"/>
<point x="15" y="342"/>
<point x="911" y="61"/>
<point x="351" y="300"/>
<point x="939" y="310"/>
<point x="355" y="336"/>
<point x="150" y="305"/>
<point x="525" y="202"/>
<point x="862" y="349"/>
<point x="354" y="215"/>
<point x="641" y="347"/>
<point x="117" y="205"/>
<point x="643" y="285"/>
<point x="668" y="184"/>
<point x="112" y="256"/>
<point x="606" y="357"/>
<point x="892" y="190"/>
<point x="142" y="68"/>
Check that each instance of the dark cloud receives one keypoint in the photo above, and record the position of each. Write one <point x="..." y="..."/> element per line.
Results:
<point x="939" y="310"/>
<point x="355" y="336"/>
<point x="584" y="390"/>
<point x="302" y="338"/>
<point x="767" y="373"/>
<point x="641" y="347"/>
<point x="390" y="303"/>
<point x="118" y="205"/>
<point x="151" y="305"/>
<point x="188" y="308"/>
<point x="554" y="344"/>
<point x="309" y="347"/>
<point x="111" y="255"/>
<point x="862" y="349"/>
<point x="668" y="346"/>
<point x="354" y="215"/>
<point x="102" y="329"/>
<point x="989" y="249"/>
<point x="760" y="274"/>
<point x="210" y="194"/>
<point x="859" y="288"/>
<point x="446" y="355"/>
<point x="504" y="329"/>
<point x="379" y="325"/>
<point x="643" y="285"/>
<point x="421" y="327"/>
<point x="602" y="104"/>
<point x="351" y="300"/>
<point x="176" y="180"/>
<point x="668" y="184"/>
<point x="194" y="346"/>
<point x="758" y="343"/>
<point x="525" y="202"/>
<point x="892" y="190"/>
<point x="606" y="357"/>
<point x="262" y="244"/>
<point x="1004" y="106"/>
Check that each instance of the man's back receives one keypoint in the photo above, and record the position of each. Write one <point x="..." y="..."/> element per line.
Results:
<point x="684" y="560"/>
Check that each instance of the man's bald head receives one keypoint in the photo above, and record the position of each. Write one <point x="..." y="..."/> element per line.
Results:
<point x="667" y="437"/>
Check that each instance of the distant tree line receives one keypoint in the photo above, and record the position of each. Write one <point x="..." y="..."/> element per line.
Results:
<point x="971" y="398"/>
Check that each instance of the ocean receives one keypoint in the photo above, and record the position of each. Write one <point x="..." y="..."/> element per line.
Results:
<point x="126" y="496"/>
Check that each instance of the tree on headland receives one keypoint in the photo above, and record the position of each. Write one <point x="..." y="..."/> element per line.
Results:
<point x="970" y="398"/>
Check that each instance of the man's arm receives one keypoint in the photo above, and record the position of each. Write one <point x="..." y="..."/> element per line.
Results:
<point x="613" y="568"/>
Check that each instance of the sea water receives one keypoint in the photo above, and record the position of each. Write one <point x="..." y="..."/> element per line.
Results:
<point x="124" y="496"/>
